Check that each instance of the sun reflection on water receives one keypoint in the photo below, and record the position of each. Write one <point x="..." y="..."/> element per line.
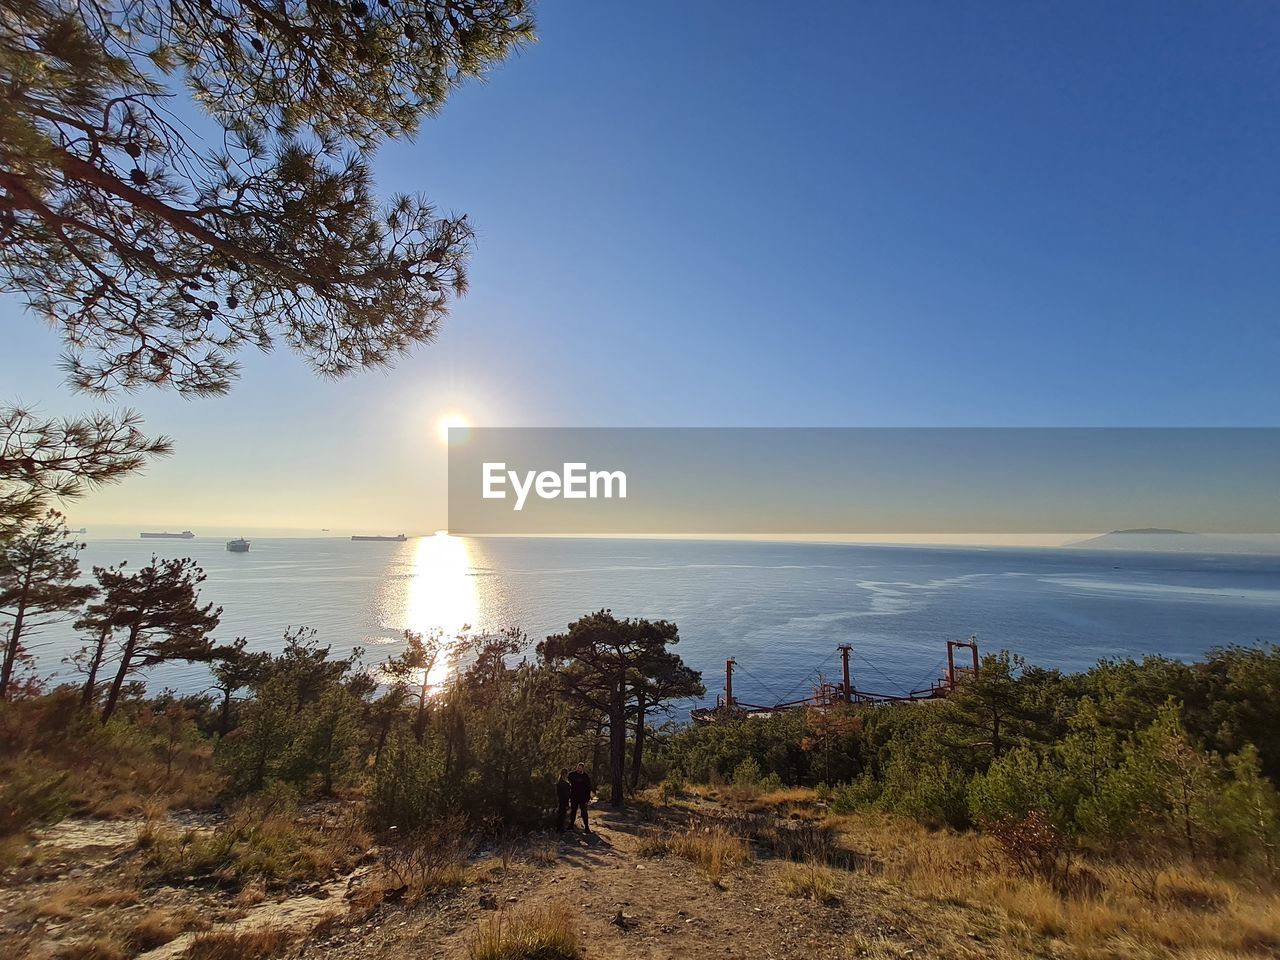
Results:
<point x="441" y="594"/>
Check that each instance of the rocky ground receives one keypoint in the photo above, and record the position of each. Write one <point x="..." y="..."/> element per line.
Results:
<point x="623" y="900"/>
<point x="626" y="906"/>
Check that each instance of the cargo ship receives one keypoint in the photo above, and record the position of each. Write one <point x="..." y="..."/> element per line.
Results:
<point x="239" y="545"/>
<point x="184" y="535"/>
<point x="398" y="538"/>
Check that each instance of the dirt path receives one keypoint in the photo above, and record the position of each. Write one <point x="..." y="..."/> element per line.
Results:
<point x="669" y="909"/>
<point x="624" y="904"/>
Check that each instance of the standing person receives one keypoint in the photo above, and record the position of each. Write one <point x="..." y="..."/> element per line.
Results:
<point x="562" y="799"/>
<point x="579" y="795"/>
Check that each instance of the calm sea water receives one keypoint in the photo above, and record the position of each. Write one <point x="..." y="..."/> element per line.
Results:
<point x="779" y="609"/>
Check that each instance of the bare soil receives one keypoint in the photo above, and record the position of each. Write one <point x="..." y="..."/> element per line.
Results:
<point x="633" y="907"/>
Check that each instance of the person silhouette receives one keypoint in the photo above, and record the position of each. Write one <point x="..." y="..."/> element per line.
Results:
<point x="579" y="795"/>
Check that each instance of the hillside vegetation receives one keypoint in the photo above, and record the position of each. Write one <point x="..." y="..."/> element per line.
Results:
<point x="1126" y="811"/>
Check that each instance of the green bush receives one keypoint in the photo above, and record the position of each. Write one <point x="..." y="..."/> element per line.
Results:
<point x="932" y="794"/>
<point x="747" y="773"/>
<point x="407" y="786"/>
<point x="673" y="785"/>
<point x="771" y="781"/>
<point x="1014" y="786"/>
<point x="856" y="794"/>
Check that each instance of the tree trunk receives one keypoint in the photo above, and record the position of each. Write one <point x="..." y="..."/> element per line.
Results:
<point x="637" y="750"/>
<point x="617" y="748"/>
<point x="224" y="720"/>
<point x="14" y="646"/>
<point x="95" y="664"/>
<point x="125" y="662"/>
<point x="384" y="730"/>
<point x="420" y="721"/>
<point x="596" y="743"/>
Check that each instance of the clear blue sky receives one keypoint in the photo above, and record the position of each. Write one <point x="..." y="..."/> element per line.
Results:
<point x="715" y="214"/>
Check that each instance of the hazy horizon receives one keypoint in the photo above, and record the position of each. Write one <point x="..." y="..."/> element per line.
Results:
<point x="931" y="216"/>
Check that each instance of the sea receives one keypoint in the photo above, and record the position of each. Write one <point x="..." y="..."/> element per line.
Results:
<point x="778" y="609"/>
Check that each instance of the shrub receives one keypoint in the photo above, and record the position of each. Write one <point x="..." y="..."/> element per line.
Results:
<point x="771" y="781"/>
<point x="673" y="785"/>
<point x="1034" y="847"/>
<point x="433" y="858"/>
<point x="1249" y="822"/>
<point x="747" y="773"/>
<point x="933" y="794"/>
<point x="859" y="793"/>
<point x="1013" y="786"/>
<point x="407" y="786"/>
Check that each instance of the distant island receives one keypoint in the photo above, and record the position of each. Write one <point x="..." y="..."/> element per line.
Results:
<point x="1168" y="540"/>
<point x="1184" y="533"/>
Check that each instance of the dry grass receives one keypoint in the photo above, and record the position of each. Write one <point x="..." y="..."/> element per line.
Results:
<point x="15" y="851"/>
<point x="157" y="927"/>
<point x="713" y="849"/>
<point x="1104" y="910"/>
<point x="812" y="881"/>
<point x="788" y="800"/>
<point x="255" y="843"/>
<point x="546" y="933"/>
<point x="864" y="947"/>
<point x="73" y="901"/>
<point x="428" y="861"/>
<point x="107" y="930"/>
<point x="543" y="853"/>
<point x="93" y="948"/>
<point x="240" y="944"/>
<point x="66" y="761"/>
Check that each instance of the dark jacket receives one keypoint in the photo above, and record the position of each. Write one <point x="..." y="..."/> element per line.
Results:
<point x="579" y="786"/>
<point x="562" y="792"/>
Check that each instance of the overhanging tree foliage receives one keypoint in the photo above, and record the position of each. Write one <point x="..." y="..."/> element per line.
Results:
<point x="159" y="251"/>
<point x="40" y="459"/>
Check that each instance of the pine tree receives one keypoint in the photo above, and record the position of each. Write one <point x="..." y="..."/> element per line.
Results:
<point x="158" y="612"/>
<point x="39" y="585"/>
<point x="41" y="459"/>
<point x="159" y="253"/>
<point x="90" y="658"/>
<point x="413" y="668"/>
<point x="661" y="679"/>
<point x="1250" y="817"/>
<point x="608" y="666"/>
<point x="234" y="668"/>
<point x="992" y="712"/>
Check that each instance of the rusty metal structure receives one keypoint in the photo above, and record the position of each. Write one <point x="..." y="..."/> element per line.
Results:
<point x="826" y="695"/>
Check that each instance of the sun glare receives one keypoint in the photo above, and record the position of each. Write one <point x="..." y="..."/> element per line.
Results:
<point x="450" y="421"/>
<point x="441" y="592"/>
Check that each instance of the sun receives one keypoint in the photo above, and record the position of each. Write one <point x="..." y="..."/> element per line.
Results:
<point x="449" y="421"/>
